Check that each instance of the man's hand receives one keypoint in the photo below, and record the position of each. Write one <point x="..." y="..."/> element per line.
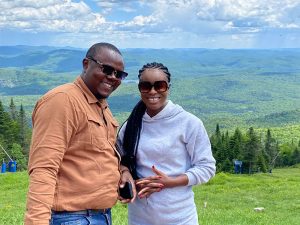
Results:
<point x="126" y="177"/>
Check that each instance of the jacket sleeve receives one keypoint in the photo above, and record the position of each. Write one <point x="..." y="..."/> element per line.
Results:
<point x="54" y="122"/>
<point x="199" y="149"/>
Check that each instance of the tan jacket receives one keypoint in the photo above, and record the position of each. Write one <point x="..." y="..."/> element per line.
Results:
<point x="73" y="163"/>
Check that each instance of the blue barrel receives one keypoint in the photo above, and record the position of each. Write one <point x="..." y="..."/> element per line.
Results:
<point x="3" y="167"/>
<point x="12" y="166"/>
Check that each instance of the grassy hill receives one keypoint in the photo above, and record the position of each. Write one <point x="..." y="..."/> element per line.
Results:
<point x="227" y="199"/>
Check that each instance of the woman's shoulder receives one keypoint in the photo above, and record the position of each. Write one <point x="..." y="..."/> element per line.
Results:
<point x="188" y="116"/>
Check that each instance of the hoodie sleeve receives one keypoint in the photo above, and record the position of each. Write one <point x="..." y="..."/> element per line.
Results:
<point x="199" y="149"/>
<point x="119" y="143"/>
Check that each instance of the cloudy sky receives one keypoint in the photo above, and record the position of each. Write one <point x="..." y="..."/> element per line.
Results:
<point x="152" y="23"/>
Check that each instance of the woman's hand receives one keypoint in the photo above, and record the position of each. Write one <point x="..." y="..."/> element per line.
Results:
<point x="149" y="185"/>
<point x="126" y="177"/>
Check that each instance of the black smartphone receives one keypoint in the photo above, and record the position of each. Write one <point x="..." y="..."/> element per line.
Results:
<point x="126" y="191"/>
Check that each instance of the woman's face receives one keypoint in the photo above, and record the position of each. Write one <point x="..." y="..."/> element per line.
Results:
<point x="154" y="101"/>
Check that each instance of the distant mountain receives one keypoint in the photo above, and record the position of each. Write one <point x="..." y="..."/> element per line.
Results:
<point x="278" y="119"/>
<point x="229" y="87"/>
<point x="187" y="62"/>
<point x="24" y="49"/>
<point x="47" y="59"/>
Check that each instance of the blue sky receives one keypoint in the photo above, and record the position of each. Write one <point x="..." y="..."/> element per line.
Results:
<point x="152" y="23"/>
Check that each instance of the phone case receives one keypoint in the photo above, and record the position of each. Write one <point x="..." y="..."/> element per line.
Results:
<point x="126" y="191"/>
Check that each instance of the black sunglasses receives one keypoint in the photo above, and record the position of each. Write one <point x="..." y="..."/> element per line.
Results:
<point x="159" y="86"/>
<point x="109" y="70"/>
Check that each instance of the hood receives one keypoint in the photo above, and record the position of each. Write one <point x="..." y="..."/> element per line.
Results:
<point x="169" y="111"/>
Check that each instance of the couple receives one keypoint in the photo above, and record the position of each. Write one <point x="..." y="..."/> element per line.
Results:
<point x="74" y="165"/>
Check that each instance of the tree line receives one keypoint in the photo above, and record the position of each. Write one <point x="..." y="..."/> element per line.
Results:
<point x="15" y="135"/>
<point x="258" y="153"/>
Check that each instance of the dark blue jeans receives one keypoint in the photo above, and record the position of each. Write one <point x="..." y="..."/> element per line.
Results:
<point x="87" y="217"/>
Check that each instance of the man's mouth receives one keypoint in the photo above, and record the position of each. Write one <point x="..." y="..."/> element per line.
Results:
<point x="107" y="85"/>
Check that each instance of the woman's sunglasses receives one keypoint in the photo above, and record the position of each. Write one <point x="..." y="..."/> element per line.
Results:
<point x="159" y="86"/>
<point x="109" y="70"/>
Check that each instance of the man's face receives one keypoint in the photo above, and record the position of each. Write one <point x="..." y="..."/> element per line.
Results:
<point x="99" y="83"/>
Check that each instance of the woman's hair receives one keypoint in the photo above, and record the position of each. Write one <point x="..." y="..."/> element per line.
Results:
<point x="134" y="123"/>
<point x="156" y="65"/>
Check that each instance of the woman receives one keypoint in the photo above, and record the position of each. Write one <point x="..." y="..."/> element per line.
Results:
<point x="167" y="151"/>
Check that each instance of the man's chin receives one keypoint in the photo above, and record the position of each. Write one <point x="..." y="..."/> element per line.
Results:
<point x="101" y="96"/>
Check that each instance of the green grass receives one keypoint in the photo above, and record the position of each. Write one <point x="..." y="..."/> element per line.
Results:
<point x="230" y="199"/>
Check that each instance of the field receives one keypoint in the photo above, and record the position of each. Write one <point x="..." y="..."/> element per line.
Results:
<point x="227" y="199"/>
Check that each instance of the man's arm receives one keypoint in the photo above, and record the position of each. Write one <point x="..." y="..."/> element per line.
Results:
<point x="53" y="125"/>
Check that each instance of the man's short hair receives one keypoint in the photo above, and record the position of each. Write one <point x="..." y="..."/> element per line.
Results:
<point x="96" y="48"/>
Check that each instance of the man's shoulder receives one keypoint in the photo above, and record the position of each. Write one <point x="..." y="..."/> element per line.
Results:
<point x="68" y="90"/>
<point x="63" y="88"/>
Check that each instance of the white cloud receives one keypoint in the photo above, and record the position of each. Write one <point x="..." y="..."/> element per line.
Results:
<point x="123" y="5"/>
<point x="193" y="22"/>
<point x="214" y="16"/>
<point x="51" y="15"/>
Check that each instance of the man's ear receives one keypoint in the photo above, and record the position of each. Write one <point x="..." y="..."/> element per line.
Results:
<point x="85" y="63"/>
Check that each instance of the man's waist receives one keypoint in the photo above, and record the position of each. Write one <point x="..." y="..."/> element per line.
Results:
<point x="86" y="212"/>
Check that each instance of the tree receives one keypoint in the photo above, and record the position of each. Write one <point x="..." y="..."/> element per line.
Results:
<point x="23" y="131"/>
<point x="261" y="163"/>
<point x="271" y="149"/>
<point x="296" y="156"/>
<point x="18" y="156"/>
<point x="236" y="144"/>
<point x="252" y="147"/>
<point x="227" y="166"/>
<point x="13" y="111"/>
<point x="216" y="143"/>
<point x="6" y="127"/>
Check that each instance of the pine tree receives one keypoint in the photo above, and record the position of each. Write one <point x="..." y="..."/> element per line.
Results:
<point x="252" y="147"/>
<point x="6" y="127"/>
<point x="261" y="163"/>
<point x="236" y="144"/>
<point x="296" y="156"/>
<point x="13" y="111"/>
<point x="271" y="149"/>
<point x="23" y="131"/>
<point x="227" y="166"/>
<point x="216" y="143"/>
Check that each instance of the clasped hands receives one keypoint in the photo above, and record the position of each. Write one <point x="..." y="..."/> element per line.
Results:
<point x="144" y="187"/>
<point x="148" y="185"/>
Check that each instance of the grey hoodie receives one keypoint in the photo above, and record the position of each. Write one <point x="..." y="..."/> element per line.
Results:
<point x="175" y="142"/>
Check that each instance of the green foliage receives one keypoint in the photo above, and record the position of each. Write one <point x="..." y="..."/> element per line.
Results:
<point x="226" y="199"/>
<point x="257" y="153"/>
<point x="233" y="88"/>
<point x="18" y="156"/>
<point x="14" y="136"/>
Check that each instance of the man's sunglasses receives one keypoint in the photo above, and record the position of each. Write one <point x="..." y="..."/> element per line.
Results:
<point x="109" y="70"/>
<point x="159" y="86"/>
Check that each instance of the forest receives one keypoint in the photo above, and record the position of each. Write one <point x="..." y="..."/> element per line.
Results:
<point x="15" y="135"/>
<point x="248" y="100"/>
<point x="257" y="153"/>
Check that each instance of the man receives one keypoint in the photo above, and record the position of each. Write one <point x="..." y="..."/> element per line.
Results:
<point x="73" y="164"/>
